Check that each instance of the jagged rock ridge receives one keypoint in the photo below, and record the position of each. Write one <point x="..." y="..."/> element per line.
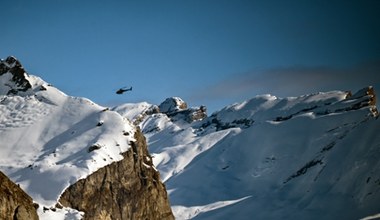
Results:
<point x="18" y="81"/>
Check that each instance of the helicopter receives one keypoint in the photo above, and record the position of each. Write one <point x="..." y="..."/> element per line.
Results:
<point x="122" y="90"/>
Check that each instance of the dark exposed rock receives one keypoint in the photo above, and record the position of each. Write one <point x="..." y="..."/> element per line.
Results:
<point x="150" y="111"/>
<point x="284" y="118"/>
<point x="365" y="97"/>
<point x="219" y="125"/>
<point x="189" y="115"/>
<point x="43" y="88"/>
<point x="328" y="147"/>
<point x="3" y="68"/>
<point x="127" y="189"/>
<point x="368" y="92"/>
<point x="94" y="147"/>
<point x="153" y="110"/>
<point x="196" y="114"/>
<point x="176" y="109"/>
<point x="15" y="204"/>
<point x="13" y="66"/>
<point x="305" y="168"/>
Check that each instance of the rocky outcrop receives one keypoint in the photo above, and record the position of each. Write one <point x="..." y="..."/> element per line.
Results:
<point x="15" y="204"/>
<point x="365" y="97"/>
<point x="14" y="67"/>
<point x="127" y="189"/>
<point x="154" y="109"/>
<point x="189" y="115"/>
<point x="172" y="104"/>
<point x="176" y="109"/>
<point x="196" y="114"/>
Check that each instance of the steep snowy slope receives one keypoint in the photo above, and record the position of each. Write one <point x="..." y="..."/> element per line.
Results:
<point x="311" y="157"/>
<point x="50" y="140"/>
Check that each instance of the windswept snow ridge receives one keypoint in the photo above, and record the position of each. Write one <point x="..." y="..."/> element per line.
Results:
<point x="191" y="212"/>
<point x="372" y="217"/>
<point x="315" y="156"/>
<point x="50" y="140"/>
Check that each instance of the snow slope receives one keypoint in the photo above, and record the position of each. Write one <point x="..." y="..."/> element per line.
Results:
<point x="311" y="157"/>
<point x="50" y="140"/>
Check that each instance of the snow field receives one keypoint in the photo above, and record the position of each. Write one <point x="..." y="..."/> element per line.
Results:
<point x="46" y="139"/>
<point x="307" y="157"/>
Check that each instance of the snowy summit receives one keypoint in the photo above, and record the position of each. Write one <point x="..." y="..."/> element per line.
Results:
<point x="50" y="140"/>
<point x="315" y="156"/>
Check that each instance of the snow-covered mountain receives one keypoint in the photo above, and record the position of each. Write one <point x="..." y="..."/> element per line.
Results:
<point x="49" y="140"/>
<point x="310" y="157"/>
<point x="315" y="156"/>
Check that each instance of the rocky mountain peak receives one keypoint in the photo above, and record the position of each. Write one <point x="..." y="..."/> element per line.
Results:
<point x="176" y="109"/>
<point x="13" y="77"/>
<point x="172" y="104"/>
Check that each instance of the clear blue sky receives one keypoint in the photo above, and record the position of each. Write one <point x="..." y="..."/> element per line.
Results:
<point x="205" y="51"/>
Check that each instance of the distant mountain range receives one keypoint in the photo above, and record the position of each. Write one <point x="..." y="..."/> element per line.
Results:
<point x="315" y="156"/>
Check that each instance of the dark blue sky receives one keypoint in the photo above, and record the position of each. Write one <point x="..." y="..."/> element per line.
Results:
<point x="207" y="52"/>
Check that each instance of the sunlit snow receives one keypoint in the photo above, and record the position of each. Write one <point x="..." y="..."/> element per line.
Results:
<point x="310" y="157"/>
<point x="307" y="157"/>
<point x="46" y="138"/>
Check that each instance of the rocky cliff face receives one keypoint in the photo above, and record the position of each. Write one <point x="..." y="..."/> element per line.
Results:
<point x="128" y="189"/>
<point x="14" y="202"/>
